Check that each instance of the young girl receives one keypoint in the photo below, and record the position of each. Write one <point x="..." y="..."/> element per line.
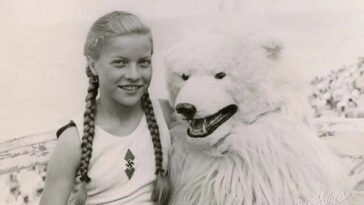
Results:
<point x="116" y="152"/>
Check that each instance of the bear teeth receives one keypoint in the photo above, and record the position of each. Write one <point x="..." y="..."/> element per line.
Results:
<point x="204" y="126"/>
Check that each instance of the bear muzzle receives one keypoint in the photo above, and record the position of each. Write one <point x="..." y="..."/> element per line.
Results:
<point x="202" y="127"/>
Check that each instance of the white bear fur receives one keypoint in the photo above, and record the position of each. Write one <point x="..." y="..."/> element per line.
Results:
<point x="271" y="155"/>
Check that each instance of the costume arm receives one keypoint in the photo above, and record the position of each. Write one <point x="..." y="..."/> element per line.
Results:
<point x="62" y="167"/>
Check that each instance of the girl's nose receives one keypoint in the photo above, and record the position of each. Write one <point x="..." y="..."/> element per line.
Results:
<point x="133" y="72"/>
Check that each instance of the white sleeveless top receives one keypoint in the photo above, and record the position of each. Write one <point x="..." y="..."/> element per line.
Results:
<point x="122" y="169"/>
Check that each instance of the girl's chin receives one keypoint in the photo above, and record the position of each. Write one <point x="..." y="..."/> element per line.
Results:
<point x="129" y="102"/>
<point x="130" y="99"/>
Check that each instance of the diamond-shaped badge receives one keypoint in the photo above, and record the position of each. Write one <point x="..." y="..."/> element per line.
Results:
<point x="129" y="155"/>
<point x="129" y="158"/>
<point x="129" y="172"/>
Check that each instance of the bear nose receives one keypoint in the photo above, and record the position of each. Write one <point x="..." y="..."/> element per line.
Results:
<point x="186" y="109"/>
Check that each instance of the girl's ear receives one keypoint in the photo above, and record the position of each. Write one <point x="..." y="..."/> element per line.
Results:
<point x="92" y="65"/>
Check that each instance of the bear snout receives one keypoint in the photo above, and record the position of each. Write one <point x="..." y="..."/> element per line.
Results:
<point x="186" y="109"/>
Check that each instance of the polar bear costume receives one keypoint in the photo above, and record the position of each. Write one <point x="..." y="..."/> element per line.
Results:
<point x="243" y="137"/>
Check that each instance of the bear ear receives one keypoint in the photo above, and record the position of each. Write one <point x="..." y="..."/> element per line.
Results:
<point x="273" y="49"/>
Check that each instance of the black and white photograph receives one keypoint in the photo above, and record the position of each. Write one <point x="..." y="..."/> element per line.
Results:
<point x="171" y="102"/>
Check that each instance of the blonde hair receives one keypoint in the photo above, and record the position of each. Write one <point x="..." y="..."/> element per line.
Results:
<point x="111" y="25"/>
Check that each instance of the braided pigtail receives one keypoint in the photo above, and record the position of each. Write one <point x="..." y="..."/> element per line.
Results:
<point x="87" y="139"/>
<point x="161" y="185"/>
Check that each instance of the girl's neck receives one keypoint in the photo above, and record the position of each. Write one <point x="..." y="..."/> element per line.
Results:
<point x="111" y="111"/>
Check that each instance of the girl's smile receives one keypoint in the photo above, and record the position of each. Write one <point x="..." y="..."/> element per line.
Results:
<point x="131" y="89"/>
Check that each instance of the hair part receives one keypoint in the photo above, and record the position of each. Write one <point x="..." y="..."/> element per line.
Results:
<point x="117" y="23"/>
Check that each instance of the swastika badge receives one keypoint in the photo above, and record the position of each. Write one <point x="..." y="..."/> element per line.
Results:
<point x="129" y="158"/>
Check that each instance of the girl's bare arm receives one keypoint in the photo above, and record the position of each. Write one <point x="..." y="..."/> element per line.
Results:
<point x="62" y="167"/>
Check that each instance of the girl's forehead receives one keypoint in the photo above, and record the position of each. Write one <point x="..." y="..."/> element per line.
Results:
<point x="128" y="45"/>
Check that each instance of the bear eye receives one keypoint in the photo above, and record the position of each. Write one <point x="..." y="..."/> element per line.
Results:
<point x="220" y="75"/>
<point x="184" y="76"/>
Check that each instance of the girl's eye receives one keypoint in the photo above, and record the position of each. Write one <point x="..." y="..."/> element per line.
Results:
<point x="145" y="63"/>
<point x="119" y="63"/>
<point x="220" y="75"/>
<point x="185" y="76"/>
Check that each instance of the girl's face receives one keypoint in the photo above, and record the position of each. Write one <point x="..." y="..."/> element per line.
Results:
<point x="124" y="68"/>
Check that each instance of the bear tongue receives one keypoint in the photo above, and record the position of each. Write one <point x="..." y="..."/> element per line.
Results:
<point x="197" y="124"/>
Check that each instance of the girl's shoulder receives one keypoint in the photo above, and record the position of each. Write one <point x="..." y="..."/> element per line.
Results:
<point x="68" y="138"/>
<point x="65" y="127"/>
<point x="68" y="134"/>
